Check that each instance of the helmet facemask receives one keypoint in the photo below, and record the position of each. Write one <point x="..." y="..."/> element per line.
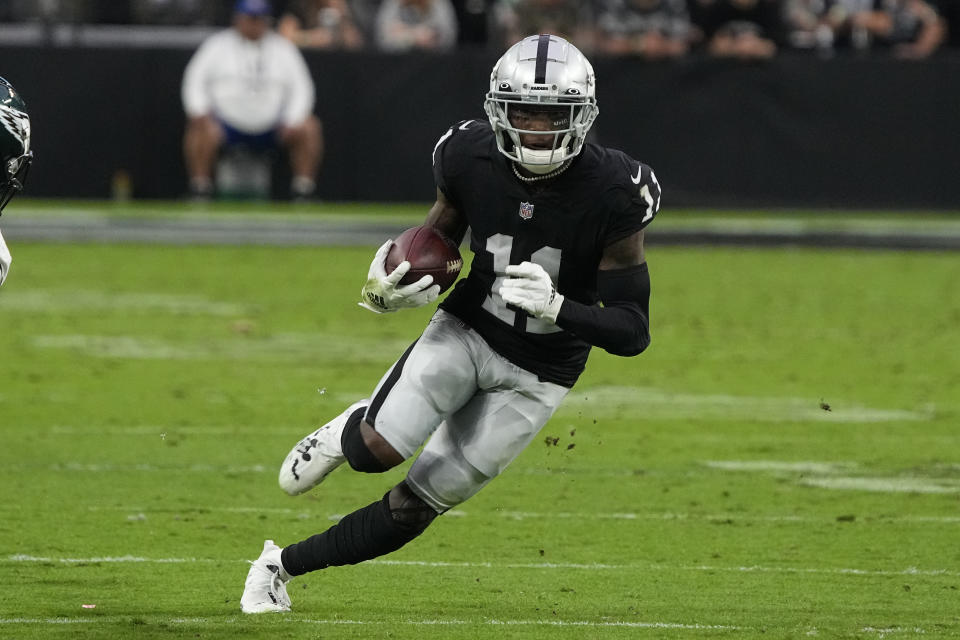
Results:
<point x="562" y="138"/>
<point x="15" y="175"/>
<point x="544" y="87"/>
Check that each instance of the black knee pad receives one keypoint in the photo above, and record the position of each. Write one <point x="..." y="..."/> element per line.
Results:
<point x="408" y="511"/>
<point x="355" y="449"/>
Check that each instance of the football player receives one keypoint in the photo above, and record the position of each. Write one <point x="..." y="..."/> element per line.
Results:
<point x="556" y="228"/>
<point x="15" y="156"/>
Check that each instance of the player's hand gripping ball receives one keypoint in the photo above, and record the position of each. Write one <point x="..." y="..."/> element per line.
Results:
<point x="410" y="272"/>
<point x="429" y="252"/>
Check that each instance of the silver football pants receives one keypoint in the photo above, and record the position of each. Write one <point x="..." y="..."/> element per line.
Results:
<point x="481" y="409"/>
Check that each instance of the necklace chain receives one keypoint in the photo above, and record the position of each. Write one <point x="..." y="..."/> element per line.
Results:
<point x="546" y="176"/>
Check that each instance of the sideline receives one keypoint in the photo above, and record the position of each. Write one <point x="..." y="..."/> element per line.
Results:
<point x="284" y="231"/>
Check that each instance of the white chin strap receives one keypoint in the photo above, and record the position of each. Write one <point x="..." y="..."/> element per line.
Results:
<point x="538" y="160"/>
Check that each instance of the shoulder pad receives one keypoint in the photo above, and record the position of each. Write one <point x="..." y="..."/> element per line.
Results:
<point x="635" y="192"/>
<point x="458" y="129"/>
<point x="647" y="190"/>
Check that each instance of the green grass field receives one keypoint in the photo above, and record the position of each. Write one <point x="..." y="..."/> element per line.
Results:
<point x="783" y="462"/>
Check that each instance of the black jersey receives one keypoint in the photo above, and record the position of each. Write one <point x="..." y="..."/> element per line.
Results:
<point x="562" y="223"/>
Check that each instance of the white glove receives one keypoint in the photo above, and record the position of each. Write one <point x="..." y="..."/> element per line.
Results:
<point x="381" y="293"/>
<point x="5" y="260"/>
<point x="530" y="288"/>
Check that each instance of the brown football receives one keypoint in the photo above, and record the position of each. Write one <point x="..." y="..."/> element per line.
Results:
<point x="429" y="252"/>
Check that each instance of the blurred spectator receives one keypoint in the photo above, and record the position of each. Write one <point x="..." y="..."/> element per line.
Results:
<point x="248" y="85"/>
<point x="45" y="10"/>
<point x="147" y="12"/>
<point x="804" y="23"/>
<point x="321" y="24"/>
<point x="408" y="25"/>
<point x="175" y="12"/>
<point x="950" y="11"/>
<point x="745" y="29"/>
<point x="569" y="19"/>
<point x="913" y="28"/>
<point x="474" y="18"/>
<point x="649" y="28"/>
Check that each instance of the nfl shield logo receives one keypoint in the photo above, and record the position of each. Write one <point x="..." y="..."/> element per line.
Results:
<point x="526" y="210"/>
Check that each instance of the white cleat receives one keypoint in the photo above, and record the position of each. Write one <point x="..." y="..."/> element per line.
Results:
<point x="314" y="457"/>
<point x="266" y="586"/>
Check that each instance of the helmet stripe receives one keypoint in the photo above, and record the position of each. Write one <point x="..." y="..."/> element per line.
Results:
<point x="543" y="45"/>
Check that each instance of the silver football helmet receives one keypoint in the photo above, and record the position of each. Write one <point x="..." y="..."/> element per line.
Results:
<point x="543" y="73"/>
<point x="15" y="153"/>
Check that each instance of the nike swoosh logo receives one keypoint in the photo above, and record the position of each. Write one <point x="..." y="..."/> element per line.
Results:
<point x="637" y="179"/>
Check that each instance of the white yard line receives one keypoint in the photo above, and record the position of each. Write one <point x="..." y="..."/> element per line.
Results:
<point x="802" y="466"/>
<point x="94" y="302"/>
<point x="540" y="566"/>
<point x="654" y="403"/>
<point x="34" y="621"/>
<point x="20" y="557"/>
<point x="709" y="517"/>
<point x="163" y="431"/>
<point x="293" y="619"/>
<point x="144" y="467"/>
<point x="199" y="509"/>
<point x="912" y="571"/>
<point x="881" y="632"/>
<point x="823" y="475"/>
<point x="275" y="347"/>
<point x="906" y="484"/>
<point x="587" y="516"/>
<point x="884" y="632"/>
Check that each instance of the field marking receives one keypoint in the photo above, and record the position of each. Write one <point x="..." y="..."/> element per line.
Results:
<point x="599" y="402"/>
<point x="893" y="484"/>
<point x="143" y="467"/>
<point x="884" y="632"/>
<point x="293" y="619"/>
<point x="660" y="404"/>
<point x="845" y="571"/>
<point x="552" y="515"/>
<point x="911" y="571"/>
<point x="823" y="476"/>
<point x="541" y="566"/>
<point x="306" y="512"/>
<point x="572" y="515"/>
<point x="886" y="485"/>
<point x="96" y="301"/>
<point x="93" y="467"/>
<point x="20" y="557"/>
<point x="274" y="347"/>
<point x="56" y="620"/>
<point x="723" y="516"/>
<point x="200" y="509"/>
<point x="165" y="430"/>
<point x="782" y="465"/>
<point x="107" y="467"/>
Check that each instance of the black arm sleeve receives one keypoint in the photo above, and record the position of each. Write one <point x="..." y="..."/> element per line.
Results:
<point x="621" y="326"/>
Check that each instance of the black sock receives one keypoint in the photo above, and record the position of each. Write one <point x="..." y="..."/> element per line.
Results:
<point x="362" y="535"/>
<point x="355" y="449"/>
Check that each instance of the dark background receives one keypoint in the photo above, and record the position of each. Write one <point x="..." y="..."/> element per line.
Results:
<point x="793" y="131"/>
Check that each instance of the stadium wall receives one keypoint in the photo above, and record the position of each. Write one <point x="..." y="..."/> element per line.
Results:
<point x="793" y="131"/>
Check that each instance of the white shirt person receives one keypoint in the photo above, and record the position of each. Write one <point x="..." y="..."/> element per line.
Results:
<point x="249" y="85"/>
